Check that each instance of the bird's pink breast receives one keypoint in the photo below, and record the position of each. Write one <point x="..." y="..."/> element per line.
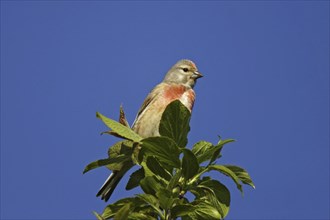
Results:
<point x="181" y="92"/>
<point x="147" y="123"/>
<point x="174" y="92"/>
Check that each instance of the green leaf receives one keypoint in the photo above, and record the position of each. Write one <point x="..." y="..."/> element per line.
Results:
<point x="145" y="209"/>
<point x="218" y="195"/>
<point x="112" y="209"/>
<point x="118" y="162"/>
<point x="140" y="216"/>
<point x="135" y="179"/>
<point x="227" y="172"/>
<point x="196" y="177"/>
<point x="174" y="180"/>
<point x="121" y="147"/>
<point x="157" y="169"/>
<point x="151" y="185"/>
<point x="219" y="146"/>
<point x="241" y="174"/>
<point x="106" y="162"/>
<point x="165" y="198"/>
<point x="206" y="151"/>
<point x="163" y="148"/>
<point x="152" y="201"/>
<point x="119" y="129"/>
<point x="205" y="210"/>
<point x="147" y="171"/>
<point x="98" y="216"/>
<point x="201" y="147"/>
<point x="123" y="212"/>
<point x="189" y="217"/>
<point x="190" y="164"/>
<point x="119" y="153"/>
<point x="175" y="123"/>
<point x="182" y="210"/>
<point x="118" y="150"/>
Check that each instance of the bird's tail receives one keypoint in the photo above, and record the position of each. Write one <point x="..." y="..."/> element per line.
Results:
<point x="110" y="185"/>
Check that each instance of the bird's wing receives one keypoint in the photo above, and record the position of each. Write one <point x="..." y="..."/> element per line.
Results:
<point x="150" y="98"/>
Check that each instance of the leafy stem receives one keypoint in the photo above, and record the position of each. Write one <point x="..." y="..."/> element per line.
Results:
<point x="168" y="171"/>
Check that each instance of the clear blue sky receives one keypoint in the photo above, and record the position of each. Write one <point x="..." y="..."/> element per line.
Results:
<point x="266" y="84"/>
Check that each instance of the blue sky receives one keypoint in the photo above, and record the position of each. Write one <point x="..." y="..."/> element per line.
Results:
<point x="266" y="84"/>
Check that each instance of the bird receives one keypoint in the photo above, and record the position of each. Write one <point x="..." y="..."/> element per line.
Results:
<point x="178" y="84"/>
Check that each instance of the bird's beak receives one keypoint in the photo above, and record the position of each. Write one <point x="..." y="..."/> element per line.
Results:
<point x="197" y="75"/>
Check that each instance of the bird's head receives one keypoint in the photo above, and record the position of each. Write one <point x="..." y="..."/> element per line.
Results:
<point x="183" y="72"/>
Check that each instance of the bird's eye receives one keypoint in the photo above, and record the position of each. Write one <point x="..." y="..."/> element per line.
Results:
<point x="185" y="70"/>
